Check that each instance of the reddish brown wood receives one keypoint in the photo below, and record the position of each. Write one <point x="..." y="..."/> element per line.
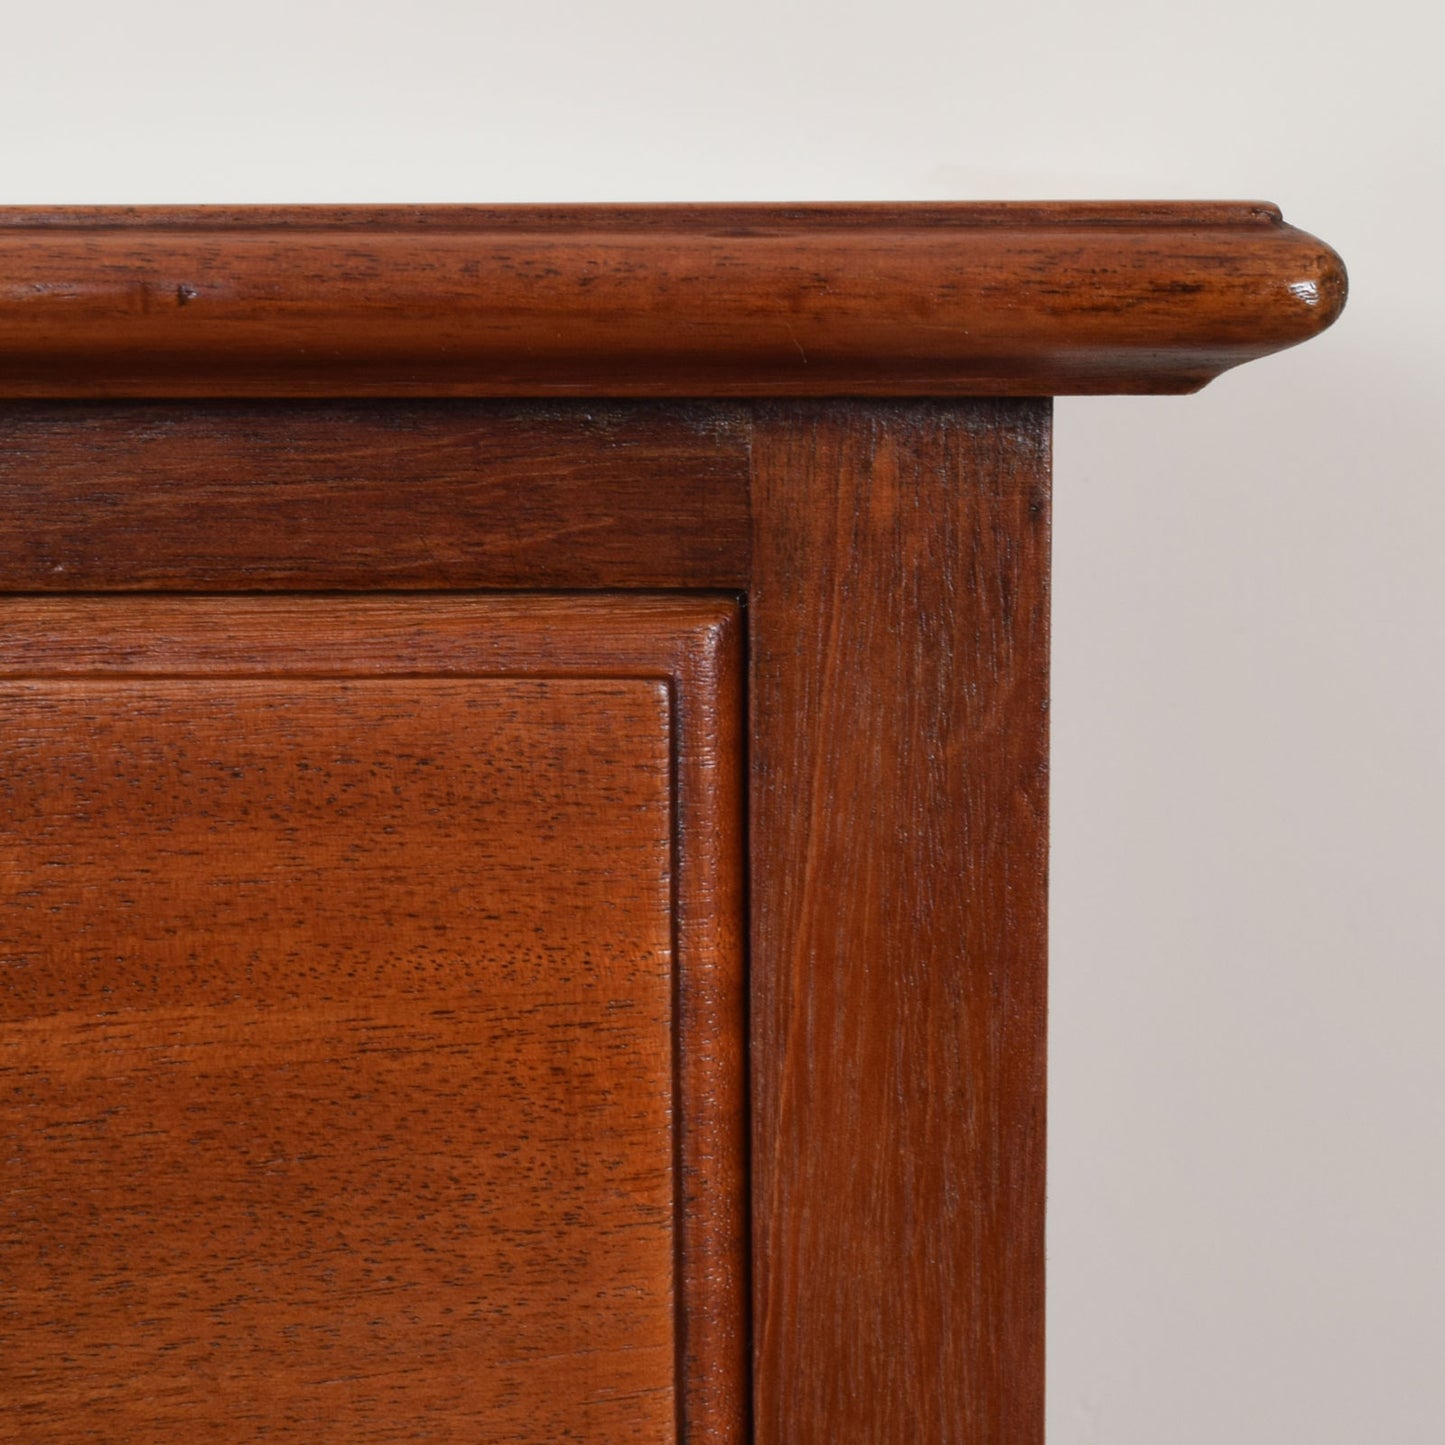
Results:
<point x="651" y="301"/>
<point x="370" y="1020"/>
<point x="260" y="1146"/>
<point x="899" y="627"/>
<point x="102" y="496"/>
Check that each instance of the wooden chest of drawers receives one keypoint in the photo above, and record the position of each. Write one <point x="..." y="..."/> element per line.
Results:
<point x="523" y="751"/>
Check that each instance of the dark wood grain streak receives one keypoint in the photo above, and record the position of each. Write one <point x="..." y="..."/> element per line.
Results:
<point x="237" y="496"/>
<point x="898" y="626"/>
<point x="371" y="1020"/>
<point x="652" y="301"/>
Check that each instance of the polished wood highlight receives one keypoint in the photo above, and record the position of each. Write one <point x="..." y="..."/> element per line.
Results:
<point x="245" y="496"/>
<point x="370" y="1020"/>
<point x="899" y="634"/>
<point x="961" y="299"/>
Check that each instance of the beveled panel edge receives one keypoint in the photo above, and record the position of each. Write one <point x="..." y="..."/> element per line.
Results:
<point x="671" y="301"/>
<point x="647" y="634"/>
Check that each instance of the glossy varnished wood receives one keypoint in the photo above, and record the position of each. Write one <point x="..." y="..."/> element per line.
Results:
<point x="899" y="627"/>
<point x="249" y="1168"/>
<point x="132" y="496"/>
<point x="370" y="1020"/>
<point x="651" y="301"/>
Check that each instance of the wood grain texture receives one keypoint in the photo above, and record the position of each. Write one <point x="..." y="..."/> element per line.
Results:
<point x="243" y="496"/>
<point x="898" y="635"/>
<point x="651" y="301"/>
<point x="370" y="1020"/>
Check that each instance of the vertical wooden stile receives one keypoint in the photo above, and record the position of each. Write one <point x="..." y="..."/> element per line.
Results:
<point x="899" y="632"/>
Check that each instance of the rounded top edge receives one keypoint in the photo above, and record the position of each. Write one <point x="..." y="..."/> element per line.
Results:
<point x="1018" y="298"/>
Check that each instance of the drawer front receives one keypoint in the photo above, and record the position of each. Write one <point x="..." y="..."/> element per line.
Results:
<point x="370" y="1019"/>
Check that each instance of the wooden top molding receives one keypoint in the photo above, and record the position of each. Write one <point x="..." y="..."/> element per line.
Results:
<point x="858" y="300"/>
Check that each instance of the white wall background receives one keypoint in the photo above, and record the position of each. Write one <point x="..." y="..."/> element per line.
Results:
<point x="1248" y="1177"/>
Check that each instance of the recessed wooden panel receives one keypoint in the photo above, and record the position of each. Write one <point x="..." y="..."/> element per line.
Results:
<point x="369" y="1057"/>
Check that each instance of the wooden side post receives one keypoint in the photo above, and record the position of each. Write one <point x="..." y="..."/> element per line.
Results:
<point x="899" y="635"/>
